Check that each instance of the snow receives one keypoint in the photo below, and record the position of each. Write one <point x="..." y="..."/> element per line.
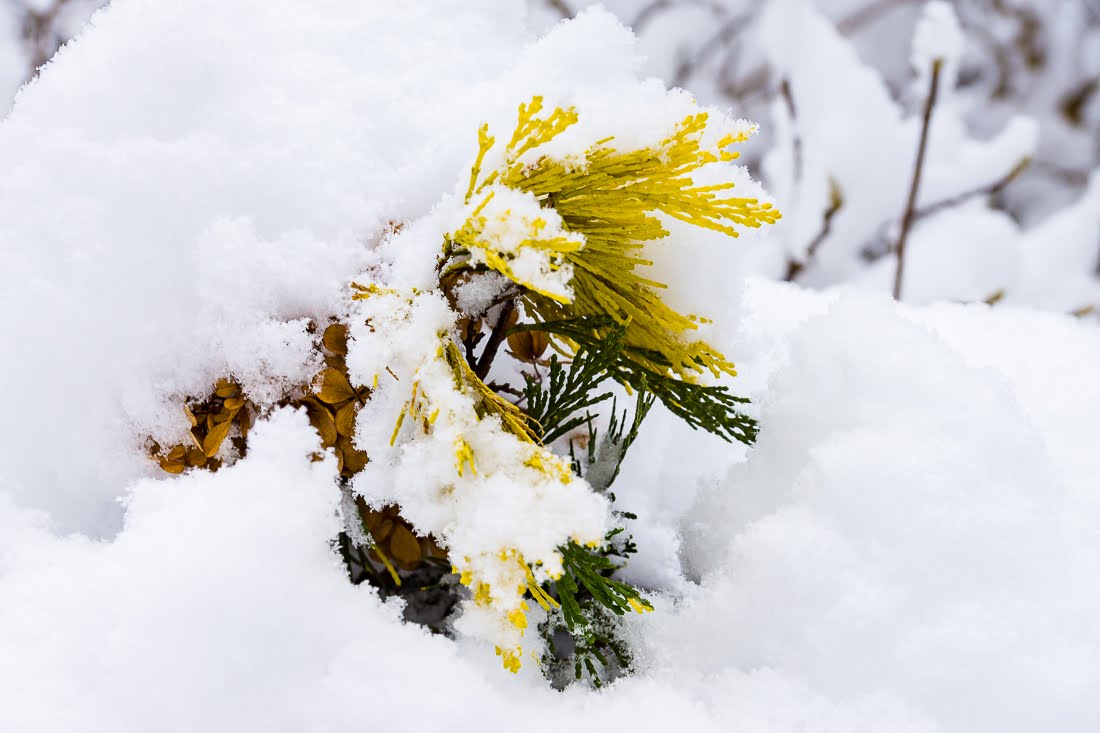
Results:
<point x="938" y="36"/>
<point x="910" y="546"/>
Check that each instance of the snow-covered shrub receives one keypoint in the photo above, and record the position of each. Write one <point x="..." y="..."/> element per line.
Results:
<point x="553" y="223"/>
<point x="189" y="190"/>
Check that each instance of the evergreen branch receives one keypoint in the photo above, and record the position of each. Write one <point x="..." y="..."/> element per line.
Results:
<point x="623" y="442"/>
<point x="554" y="409"/>
<point x="711" y="408"/>
<point x="587" y="569"/>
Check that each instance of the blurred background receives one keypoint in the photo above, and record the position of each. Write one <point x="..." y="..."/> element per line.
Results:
<point x="1007" y="210"/>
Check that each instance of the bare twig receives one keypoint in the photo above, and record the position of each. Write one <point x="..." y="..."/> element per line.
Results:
<point x="796" y="138"/>
<point x="561" y="8"/>
<point x="1096" y="270"/>
<point x="42" y="38"/>
<point x="1068" y="176"/>
<point x="990" y="189"/>
<point x="995" y="297"/>
<point x="911" y="203"/>
<point x="753" y="83"/>
<point x="725" y="33"/>
<point x="836" y="201"/>
<point x="1083" y="311"/>
<point x="506" y="389"/>
<point x="646" y="15"/>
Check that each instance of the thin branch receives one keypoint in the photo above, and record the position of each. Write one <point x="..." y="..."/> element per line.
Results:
<point x="796" y="139"/>
<point x="911" y="203"/>
<point x="836" y="201"/>
<point x="562" y="9"/>
<point x="753" y="83"/>
<point x="715" y="43"/>
<point x="1068" y="176"/>
<point x="990" y="189"/>
<point x="495" y="340"/>
<point x="470" y="341"/>
<point x="507" y="389"/>
<point x="646" y="15"/>
<point x="1083" y="311"/>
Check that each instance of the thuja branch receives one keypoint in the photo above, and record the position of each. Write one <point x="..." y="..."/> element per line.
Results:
<point x="911" y="202"/>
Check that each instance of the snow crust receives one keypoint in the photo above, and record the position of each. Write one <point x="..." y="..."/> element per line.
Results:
<point x="911" y="546"/>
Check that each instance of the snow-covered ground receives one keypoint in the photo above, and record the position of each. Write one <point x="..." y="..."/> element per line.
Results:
<point x="912" y="544"/>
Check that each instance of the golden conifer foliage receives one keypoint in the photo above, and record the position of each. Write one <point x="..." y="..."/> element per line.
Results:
<point x="613" y="198"/>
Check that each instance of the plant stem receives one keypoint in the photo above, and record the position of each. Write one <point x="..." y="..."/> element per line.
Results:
<point x="494" y="342"/>
<point x="911" y="203"/>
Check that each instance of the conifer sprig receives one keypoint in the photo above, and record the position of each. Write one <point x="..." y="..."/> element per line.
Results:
<point x="554" y="409"/>
<point x="588" y="569"/>
<point x="612" y="199"/>
<point x="711" y="408"/>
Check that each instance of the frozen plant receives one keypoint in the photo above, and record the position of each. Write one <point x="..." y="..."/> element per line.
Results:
<point x="479" y="470"/>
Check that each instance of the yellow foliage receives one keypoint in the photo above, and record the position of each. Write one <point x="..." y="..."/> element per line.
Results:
<point x="613" y="197"/>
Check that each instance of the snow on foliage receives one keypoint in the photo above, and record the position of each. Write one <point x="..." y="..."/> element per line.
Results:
<point x="910" y="545"/>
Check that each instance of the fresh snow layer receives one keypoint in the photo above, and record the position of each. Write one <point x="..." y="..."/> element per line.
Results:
<point x="911" y="546"/>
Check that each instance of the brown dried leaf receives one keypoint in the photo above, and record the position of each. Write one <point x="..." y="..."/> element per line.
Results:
<point x="335" y="387"/>
<point x="173" y="466"/>
<point x="369" y="516"/>
<point x="354" y="460"/>
<point x="468" y="328"/>
<point x="321" y="419"/>
<point x="335" y="338"/>
<point x="382" y="530"/>
<point x="195" y="457"/>
<point x="244" y="421"/>
<point x="404" y="548"/>
<point x="176" y="453"/>
<point x="345" y="419"/>
<point x="190" y="415"/>
<point x="214" y="438"/>
<point x="234" y="403"/>
<point x="528" y="345"/>
<point x="433" y="547"/>
<point x="224" y="388"/>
